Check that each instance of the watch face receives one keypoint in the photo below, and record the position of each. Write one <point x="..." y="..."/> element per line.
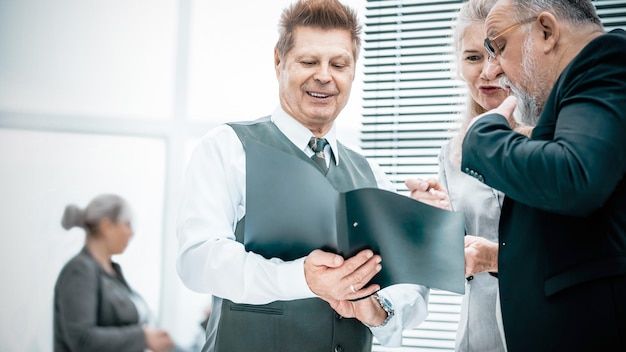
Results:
<point x="384" y="302"/>
<point x="388" y="306"/>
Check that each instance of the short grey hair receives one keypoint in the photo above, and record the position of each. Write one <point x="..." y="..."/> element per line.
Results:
<point x="110" y="206"/>
<point x="574" y="11"/>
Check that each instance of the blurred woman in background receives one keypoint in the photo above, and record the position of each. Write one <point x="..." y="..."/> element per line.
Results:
<point x="94" y="307"/>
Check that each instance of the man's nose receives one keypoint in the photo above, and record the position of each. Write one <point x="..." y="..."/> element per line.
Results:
<point x="323" y="74"/>
<point x="493" y="69"/>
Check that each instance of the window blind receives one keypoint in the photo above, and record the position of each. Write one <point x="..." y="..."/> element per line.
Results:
<point x="411" y="103"/>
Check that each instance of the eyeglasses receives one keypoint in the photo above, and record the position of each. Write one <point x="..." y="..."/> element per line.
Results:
<point x="492" y="48"/>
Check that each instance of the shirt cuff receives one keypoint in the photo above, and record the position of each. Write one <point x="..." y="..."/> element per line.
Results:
<point x="292" y="282"/>
<point x="409" y="303"/>
<point x="387" y="334"/>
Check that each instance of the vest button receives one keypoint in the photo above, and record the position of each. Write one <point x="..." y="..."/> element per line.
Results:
<point x="338" y="317"/>
<point x="338" y="348"/>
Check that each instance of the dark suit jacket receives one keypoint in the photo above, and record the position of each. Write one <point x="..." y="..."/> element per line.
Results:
<point x="93" y="310"/>
<point x="562" y="259"/>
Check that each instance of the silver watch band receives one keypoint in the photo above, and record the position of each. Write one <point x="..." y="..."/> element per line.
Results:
<point x="386" y="305"/>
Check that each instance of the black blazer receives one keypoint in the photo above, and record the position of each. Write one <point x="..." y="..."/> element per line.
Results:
<point x="562" y="259"/>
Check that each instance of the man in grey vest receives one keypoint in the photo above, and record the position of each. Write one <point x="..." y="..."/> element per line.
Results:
<point x="311" y="303"/>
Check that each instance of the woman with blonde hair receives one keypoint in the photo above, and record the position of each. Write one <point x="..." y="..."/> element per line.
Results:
<point x="480" y="327"/>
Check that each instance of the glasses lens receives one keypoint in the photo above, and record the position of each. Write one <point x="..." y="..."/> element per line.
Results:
<point x="490" y="50"/>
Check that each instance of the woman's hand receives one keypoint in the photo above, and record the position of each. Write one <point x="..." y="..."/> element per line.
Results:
<point x="481" y="255"/>
<point x="157" y="340"/>
<point x="429" y="191"/>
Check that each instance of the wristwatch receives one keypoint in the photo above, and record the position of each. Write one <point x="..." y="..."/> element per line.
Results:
<point x="386" y="305"/>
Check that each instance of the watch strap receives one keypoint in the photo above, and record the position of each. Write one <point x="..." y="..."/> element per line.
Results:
<point x="386" y="305"/>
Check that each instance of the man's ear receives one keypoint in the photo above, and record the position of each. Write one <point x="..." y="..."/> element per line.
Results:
<point x="276" y="62"/>
<point x="551" y="31"/>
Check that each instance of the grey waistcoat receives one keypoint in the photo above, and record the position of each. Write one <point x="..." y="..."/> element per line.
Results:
<point x="309" y="325"/>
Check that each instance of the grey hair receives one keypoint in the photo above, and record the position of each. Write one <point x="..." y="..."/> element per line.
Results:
<point x="109" y="206"/>
<point x="472" y="12"/>
<point x="576" y="12"/>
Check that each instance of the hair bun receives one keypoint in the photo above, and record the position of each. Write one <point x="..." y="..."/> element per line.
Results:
<point x="73" y="216"/>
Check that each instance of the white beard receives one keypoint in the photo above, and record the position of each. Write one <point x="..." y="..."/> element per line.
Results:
<point x="526" y="111"/>
<point x="528" y="108"/>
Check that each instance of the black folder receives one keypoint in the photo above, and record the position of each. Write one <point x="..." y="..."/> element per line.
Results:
<point x="292" y="209"/>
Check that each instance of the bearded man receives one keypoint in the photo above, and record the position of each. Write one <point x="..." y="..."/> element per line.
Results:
<point x="562" y="245"/>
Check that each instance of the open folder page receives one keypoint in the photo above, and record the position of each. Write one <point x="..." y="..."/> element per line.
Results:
<point x="292" y="209"/>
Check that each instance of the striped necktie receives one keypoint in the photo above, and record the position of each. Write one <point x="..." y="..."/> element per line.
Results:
<point x="318" y="144"/>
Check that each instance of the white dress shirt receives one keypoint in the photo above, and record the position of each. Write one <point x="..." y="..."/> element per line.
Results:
<point x="210" y="260"/>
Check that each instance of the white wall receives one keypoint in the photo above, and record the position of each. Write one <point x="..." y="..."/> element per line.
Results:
<point x="110" y="96"/>
<point x="42" y="172"/>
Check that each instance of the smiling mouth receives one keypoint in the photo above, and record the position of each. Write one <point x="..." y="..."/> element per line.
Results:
<point x="318" y="95"/>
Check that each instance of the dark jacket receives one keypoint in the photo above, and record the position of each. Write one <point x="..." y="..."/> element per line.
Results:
<point x="93" y="310"/>
<point x="562" y="259"/>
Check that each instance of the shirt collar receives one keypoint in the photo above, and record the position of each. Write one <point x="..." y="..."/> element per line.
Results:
<point x="300" y="135"/>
